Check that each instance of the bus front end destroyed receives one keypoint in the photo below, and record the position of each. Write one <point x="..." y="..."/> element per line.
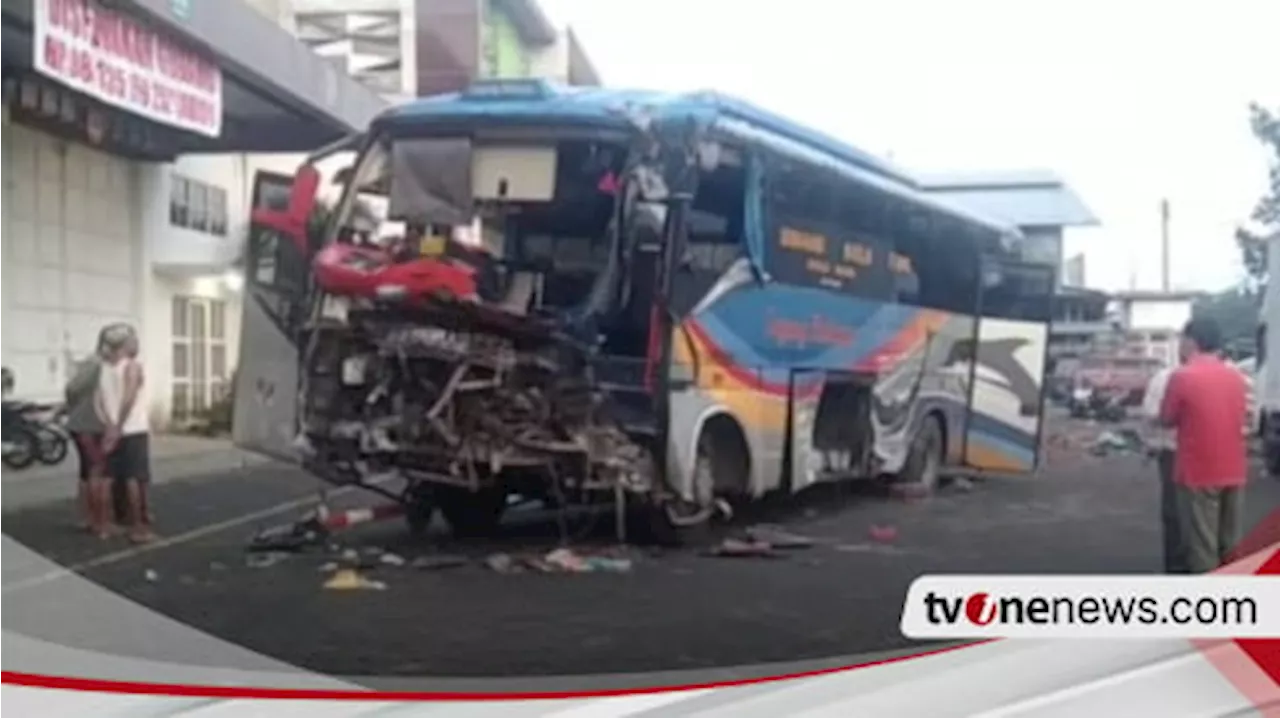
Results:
<point x="464" y="396"/>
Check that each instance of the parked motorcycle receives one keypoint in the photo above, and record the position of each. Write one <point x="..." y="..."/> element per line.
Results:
<point x="49" y="423"/>
<point x="34" y="432"/>
<point x="19" y="447"/>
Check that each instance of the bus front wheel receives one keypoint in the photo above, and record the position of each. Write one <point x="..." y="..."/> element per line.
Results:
<point x="922" y="470"/>
<point x="472" y="514"/>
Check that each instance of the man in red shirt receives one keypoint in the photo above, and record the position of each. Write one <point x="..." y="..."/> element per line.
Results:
<point x="1206" y="405"/>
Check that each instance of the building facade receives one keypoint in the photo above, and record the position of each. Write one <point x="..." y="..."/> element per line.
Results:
<point x="99" y="100"/>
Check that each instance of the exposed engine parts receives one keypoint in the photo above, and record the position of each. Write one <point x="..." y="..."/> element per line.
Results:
<point x="448" y="396"/>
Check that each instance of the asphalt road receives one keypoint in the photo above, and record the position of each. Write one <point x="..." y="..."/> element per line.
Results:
<point x="678" y="609"/>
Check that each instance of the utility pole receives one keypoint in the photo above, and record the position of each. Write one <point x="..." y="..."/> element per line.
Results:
<point x="1164" y="245"/>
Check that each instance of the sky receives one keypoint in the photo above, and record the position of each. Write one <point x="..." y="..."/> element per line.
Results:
<point x="1129" y="102"/>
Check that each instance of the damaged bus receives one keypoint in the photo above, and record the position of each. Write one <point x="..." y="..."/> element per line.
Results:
<point x="666" y="303"/>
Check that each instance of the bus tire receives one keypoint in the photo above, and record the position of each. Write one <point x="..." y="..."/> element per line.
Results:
<point x="471" y="514"/>
<point x="719" y="466"/>
<point x="419" y="508"/>
<point x="922" y="471"/>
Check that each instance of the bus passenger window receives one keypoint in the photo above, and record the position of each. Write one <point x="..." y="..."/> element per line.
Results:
<point x="824" y="234"/>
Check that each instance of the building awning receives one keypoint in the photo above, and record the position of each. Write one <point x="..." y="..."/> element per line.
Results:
<point x="1025" y="199"/>
<point x="276" y="95"/>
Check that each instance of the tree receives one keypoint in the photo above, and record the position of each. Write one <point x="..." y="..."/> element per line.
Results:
<point x="1236" y="312"/>
<point x="1266" y="215"/>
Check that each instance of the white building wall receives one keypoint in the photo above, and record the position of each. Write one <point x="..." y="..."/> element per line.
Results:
<point x="73" y="260"/>
<point x="189" y="263"/>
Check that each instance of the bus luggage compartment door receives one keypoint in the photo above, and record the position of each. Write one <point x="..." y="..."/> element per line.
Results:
<point x="1008" y="362"/>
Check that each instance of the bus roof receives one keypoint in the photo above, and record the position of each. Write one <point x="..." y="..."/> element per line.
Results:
<point x="601" y="107"/>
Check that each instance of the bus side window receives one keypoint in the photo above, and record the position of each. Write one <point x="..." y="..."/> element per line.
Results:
<point x="1021" y="292"/>
<point x="935" y="262"/>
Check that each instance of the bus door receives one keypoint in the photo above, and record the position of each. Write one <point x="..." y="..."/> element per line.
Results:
<point x="1008" y="364"/>
<point x="271" y="319"/>
<point x="276" y="306"/>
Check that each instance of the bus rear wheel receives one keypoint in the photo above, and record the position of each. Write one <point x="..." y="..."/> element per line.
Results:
<point x="922" y="471"/>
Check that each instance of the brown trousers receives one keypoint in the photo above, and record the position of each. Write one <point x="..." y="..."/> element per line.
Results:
<point x="1211" y="520"/>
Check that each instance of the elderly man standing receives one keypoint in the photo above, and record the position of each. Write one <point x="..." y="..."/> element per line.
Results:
<point x="1206" y="404"/>
<point x="1163" y="445"/>
<point x="85" y="427"/>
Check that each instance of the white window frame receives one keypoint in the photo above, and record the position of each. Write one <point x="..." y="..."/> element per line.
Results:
<point x="200" y="383"/>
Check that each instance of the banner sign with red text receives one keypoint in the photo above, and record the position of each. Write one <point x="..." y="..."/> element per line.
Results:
<point x="117" y="59"/>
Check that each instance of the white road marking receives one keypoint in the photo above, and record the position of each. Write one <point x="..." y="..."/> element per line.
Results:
<point x="174" y="540"/>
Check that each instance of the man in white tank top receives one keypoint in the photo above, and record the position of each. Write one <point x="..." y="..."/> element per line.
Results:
<point x="122" y="406"/>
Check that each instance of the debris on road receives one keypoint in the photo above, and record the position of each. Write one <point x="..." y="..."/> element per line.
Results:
<point x="502" y="563"/>
<point x="432" y="563"/>
<point x="963" y="485"/>
<point x="778" y="537"/>
<point x="391" y="559"/>
<point x="151" y="576"/>
<point x="349" y="579"/>
<point x="329" y="567"/>
<point x="265" y="560"/>
<point x="909" y="492"/>
<point x="738" y="548"/>
<point x="1124" y="441"/>
<point x="867" y="548"/>
<point x="292" y="537"/>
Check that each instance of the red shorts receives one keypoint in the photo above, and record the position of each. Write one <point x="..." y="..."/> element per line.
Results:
<point x="93" y="461"/>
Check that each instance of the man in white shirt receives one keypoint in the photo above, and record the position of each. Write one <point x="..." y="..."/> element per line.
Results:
<point x="1162" y="443"/>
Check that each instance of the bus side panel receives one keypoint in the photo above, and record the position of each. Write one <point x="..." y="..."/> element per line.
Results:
<point x="921" y="372"/>
<point x="708" y="382"/>
<point x="1005" y="409"/>
<point x="806" y="395"/>
<point x="267" y="383"/>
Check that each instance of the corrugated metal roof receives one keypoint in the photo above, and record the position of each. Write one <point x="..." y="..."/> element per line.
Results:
<point x="1026" y="198"/>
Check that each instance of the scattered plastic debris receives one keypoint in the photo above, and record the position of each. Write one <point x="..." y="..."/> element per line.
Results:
<point x="265" y="560"/>
<point x="350" y="555"/>
<point x="963" y="485"/>
<point x="151" y="575"/>
<point x="348" y="579"/>
<point x="563" y="559"/>
<point x="391" y="559"/>
<point x="606" y="564"/>
<point x="883" y="534"/>
<point x="502" y="563"/>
